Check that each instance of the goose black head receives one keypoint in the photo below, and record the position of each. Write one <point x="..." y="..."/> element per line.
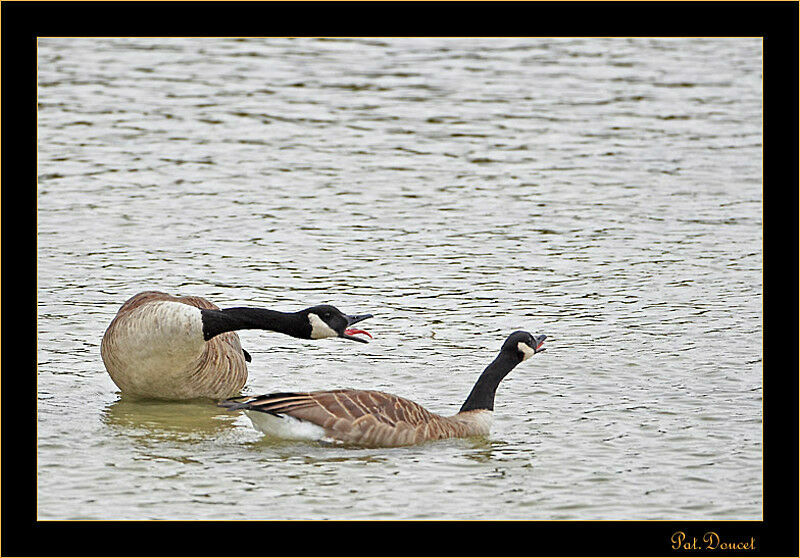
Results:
<point x="523" y="344"/>
<point x="328" y="321"/>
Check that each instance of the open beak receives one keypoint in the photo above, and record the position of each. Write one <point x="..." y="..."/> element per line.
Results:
<point x="349" y="333"/>
<point x="538" y="340"/>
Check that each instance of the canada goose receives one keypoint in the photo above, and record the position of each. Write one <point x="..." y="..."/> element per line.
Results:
<point x="183" y="347"/>
<point x="377" y="419"/>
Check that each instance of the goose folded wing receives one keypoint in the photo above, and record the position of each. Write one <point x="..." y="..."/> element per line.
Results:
<point x="365" y="417"/>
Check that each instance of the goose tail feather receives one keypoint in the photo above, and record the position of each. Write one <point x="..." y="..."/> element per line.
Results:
<point x="262" y="403"/>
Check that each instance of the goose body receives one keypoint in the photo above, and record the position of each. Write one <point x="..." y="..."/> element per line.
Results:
<point x="378" y="419"/>
<point x="184" y="347"/>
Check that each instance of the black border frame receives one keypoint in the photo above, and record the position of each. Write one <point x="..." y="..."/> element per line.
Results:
<point x="23" y="22"/>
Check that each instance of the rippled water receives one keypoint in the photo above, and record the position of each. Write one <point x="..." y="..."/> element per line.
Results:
<point x="606" y="192"/>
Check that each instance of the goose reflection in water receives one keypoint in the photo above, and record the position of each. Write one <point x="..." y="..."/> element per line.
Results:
<point x="166" y="420"/>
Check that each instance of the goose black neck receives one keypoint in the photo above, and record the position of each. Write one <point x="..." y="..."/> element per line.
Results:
<point x="232" y="319"/>
<point x="482" y="394"/>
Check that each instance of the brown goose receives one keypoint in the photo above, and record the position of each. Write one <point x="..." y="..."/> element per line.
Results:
<point x="184" y="347"/>
<point x="377" y="419"/>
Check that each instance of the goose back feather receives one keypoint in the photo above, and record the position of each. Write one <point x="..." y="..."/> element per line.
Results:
<point x="150" y="350"/>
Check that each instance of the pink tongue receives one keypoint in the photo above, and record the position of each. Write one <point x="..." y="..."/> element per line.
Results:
<point x="356" y="331"/>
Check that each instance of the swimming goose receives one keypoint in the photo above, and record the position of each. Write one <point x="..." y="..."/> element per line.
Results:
<point x="377" y="419"/>
<point x="183" y="347"/>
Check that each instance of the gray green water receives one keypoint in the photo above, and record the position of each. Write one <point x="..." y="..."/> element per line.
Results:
<point x="605" y="192"/>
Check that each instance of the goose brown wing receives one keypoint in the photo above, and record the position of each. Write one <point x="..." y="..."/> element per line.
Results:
<point x="353" y="405"/>
<point x="358" y="416"/>
<point x="322" y="407"/>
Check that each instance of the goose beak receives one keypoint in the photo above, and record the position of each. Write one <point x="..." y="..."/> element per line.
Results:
<point x="350" y="333"/>
<point x="538" y="340"/>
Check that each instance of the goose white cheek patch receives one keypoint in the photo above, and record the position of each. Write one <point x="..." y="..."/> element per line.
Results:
<point x="319" y="329"/>
<point x="526" y="350"/>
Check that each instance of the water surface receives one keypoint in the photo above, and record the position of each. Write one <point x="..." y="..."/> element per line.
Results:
<point x="605" y="192"/>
